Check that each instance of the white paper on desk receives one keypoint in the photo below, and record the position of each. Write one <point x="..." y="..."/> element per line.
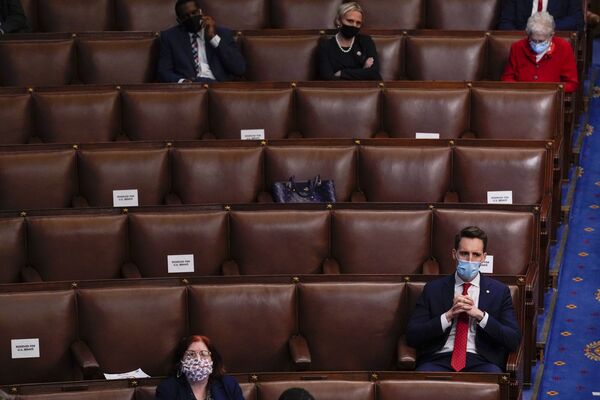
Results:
<point x="125" y="198"/>
<point x="252" y="134"/>
<point x="138" y="373"/>
<point x="25" y="348"/>
<point x="180" y="263"/>
<point x="426" y="135"/>
<point x="487" y="266"/>
<point x="500" y="197"/>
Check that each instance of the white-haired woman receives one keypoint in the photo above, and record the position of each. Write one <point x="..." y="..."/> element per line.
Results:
<point x="541" y="57"/>
<point x="348" y="55"/>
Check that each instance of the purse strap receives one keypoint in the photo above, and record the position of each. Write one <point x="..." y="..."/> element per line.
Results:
<point x="306" y="190"/>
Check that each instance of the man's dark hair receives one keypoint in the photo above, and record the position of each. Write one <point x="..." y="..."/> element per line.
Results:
<point x="471" y="232"/>
<point x="179" y="3"/>
<point x="296" y="394"/>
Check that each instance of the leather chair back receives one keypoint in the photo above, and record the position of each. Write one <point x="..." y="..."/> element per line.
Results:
<point x="13" y="249"/>
<point x="306" y="14"/>
<point x="393" y="14"/>
<point x="390" y="50"/>
<point x="16" y="117"/>
<point x="322" y="390"/>
<point x="75" y="16"/>
<point x="481" y="15"/>
<point x="238" y="14"/>
<point x="144" y="15"/>
<point x="419" y="390"/>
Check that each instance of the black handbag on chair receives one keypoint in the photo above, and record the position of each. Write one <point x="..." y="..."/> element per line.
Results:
<point x="311" y="191"/>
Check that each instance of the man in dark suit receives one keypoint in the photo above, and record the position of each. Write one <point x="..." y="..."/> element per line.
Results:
<point x="196" y="50"/>
<point x="12" y="17"/>
<point x="568" y="15"/>
<point x="465" y="321"/>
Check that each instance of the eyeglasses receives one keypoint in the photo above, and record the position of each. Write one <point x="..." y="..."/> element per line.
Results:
<point x="191" y="354"/>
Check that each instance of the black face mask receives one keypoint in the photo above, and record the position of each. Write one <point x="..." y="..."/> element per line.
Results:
<point x="192" y="24"/>
<point x="348" y="31"/>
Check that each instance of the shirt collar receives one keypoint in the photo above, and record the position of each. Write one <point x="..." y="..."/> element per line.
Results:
<point x="475" y="282"/>
<point x="200" y="34"/>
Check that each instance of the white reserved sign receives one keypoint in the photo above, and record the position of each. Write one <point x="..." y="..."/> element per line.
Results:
<point x="138" y="373"/>
<point x="425" y="135"/>
<point x="487" y="266"/>
<point x="500" y="197"/>
<point x="125" y="198"/>
<point x="180" y="263"/>
<point x="253" y="134"/>
<point x="25" y="348"/>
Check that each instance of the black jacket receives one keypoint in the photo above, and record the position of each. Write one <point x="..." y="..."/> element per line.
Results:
<point x="12" y="17"/>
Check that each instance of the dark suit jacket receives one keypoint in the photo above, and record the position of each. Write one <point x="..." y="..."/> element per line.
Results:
<point x="176" y="61"/>
<point x="500" y="336"/>
<point x="174" y="388"/>
<point x="12" y="17"/>
<point x="567" y="14"/>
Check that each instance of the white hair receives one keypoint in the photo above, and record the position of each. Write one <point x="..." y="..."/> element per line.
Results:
<point x="346" y="8"/>
<point x="541" y="23"/>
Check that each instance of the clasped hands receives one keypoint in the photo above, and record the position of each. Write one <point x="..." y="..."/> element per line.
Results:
<point x="464" y="303"/>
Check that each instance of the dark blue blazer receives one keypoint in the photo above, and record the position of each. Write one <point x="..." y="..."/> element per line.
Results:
<point x="12" y="17"/>
<point x="500" y="336"/>
<point x="176" y="62"/>
<point x="568" y="15"/>
<point x="178" y="388"/>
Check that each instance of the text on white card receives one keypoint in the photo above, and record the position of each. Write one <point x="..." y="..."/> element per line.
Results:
<point x="427" y="135"/>
<point x="180" y="263"/>
<point x="500" y="197"/>
<point x="487" y="266"/>
<point x="125" y="198"/>
<point x="252" y="134"/>
<point x="25" y="348"/>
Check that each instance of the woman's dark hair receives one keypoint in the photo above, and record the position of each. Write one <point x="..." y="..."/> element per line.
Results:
<point x="296" y="394"/>
<point x="184" y="344"/>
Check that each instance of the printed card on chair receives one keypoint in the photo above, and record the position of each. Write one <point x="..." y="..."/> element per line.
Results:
<point x="500" y="197"/>
<point x="25" y="348"/>
<point x="125" y="198"/>
<point x="252" y="134"/>
<point x="180" y="263"/>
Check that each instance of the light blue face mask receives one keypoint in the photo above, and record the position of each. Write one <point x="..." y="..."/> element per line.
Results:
<point x="539" y="48"/>
<point x="467" y="270"/>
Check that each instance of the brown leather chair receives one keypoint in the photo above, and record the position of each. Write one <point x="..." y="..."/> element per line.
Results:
<point x="248" y="390"/>
<point x="404" y="174"/>
<point x="26" y="62"/>
<point x="77" y="116"/>
<point x="76" y="247"/>
<point x="338" y="113"/>
<point x="337" y="318"/>
<point x="217" y="175"/>
<point x="103" y="170"/>
<point x="155" y="236"/>
<point x="516" y="114"/>
<point x="419" y="390"/>
<point x="235" y="315"/>
<point x="322" y="390"/>
<point x="164" y="114"/>
<point x="106" y="394"/>
<point x="13" y="249"/>
<point x="37" y="179"/>
<point x="129" y="328"/>
<point x="16" y="117"/>
<point x="367" y="242"/>
<point x="144" y="15"/>
<point x="279" y="242"/>
<point x="122" y="60"/>
<point x="463" y="15"/>
<point x="30" y="9"/>
<point x="280" y="58"/>
<point x="306" y="14"/>
<point x="393" y="14"/>
<point x="47" y="316"/>
<point x="304" y="162"/>
<point x="449" y="58"/>
<point x="408" y="111"/>
<point x="498" y="51"/>
<point x="238" y="14"/>
<point x="390" y="50"/>
<point x="70" y="16"/>
<point x="232" y="110"/>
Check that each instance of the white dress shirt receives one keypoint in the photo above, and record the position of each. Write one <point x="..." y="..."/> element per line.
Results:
<point x="534" y="6"/>
<point x="473" y="292"/>
<point x="204" y="71"/>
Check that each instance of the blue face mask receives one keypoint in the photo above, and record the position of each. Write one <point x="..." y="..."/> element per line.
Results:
<point x="539" y="48"/>
<point x="467" y="270"/>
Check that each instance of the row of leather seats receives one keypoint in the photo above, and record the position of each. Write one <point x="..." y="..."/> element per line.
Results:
<point x="320" y="324"/>
<point x="333" y="386"/>
<point x="156" y="15"/>
<point x="131" y="58"/>
<point x="351" y="110"/>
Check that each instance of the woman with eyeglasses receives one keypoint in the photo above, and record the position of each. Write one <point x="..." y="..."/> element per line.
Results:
<point x="199" y="374"/>
<point x="542" y="57"/>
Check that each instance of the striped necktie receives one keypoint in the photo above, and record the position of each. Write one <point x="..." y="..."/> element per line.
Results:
<point x="194" y="39"/>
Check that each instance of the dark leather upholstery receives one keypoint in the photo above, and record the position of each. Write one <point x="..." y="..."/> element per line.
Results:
<point x="13" y="248"/>
<point x="235" y="315"/>
<point x="15" y="114"/>
<point x="390" y="50"/>
<point x="164" y="114"/>
<point x="399" y="174"/>
<point x="107" y="394"/>
<point x="279" y="242"/>
<point x="144" y="15"/>
<point x="47" y="316"/>
<point x="306" y="14"/>
<point x="330" y="113"/>
<point x="213" y="175"/>
<point x="393" y="14"/>
<point x="322" y="390"/>
<point x="238" y="14"/>
<point x="498" y="50"/>
<point x="232" y="110"/>
<point x="154" y="236"/>
<point x="419" y="390"/>
<point x="410" y="110"/>
<point x="478" y="15"/>
<point x="75" y="16"/>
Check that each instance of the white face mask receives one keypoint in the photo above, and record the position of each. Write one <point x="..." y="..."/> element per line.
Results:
<point x="197" y="369"/>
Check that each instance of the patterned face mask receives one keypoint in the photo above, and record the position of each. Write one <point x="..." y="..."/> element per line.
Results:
<point x="197" y="369"/>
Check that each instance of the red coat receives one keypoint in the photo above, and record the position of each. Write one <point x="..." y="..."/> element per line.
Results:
<point x="557" y="65"/>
